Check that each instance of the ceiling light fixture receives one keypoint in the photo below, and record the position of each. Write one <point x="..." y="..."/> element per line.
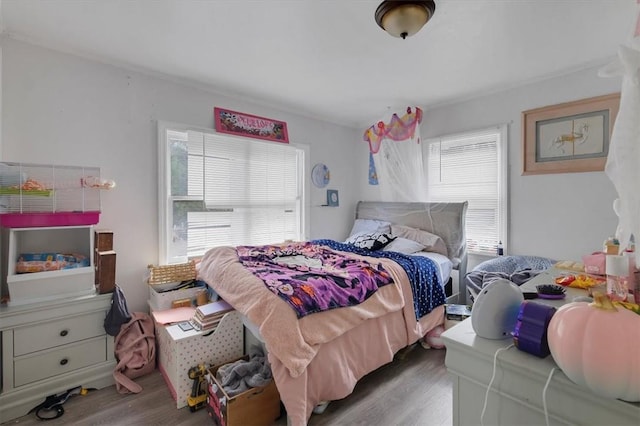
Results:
<point x="404" y="18"/>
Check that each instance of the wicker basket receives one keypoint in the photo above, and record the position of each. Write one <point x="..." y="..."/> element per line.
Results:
<point x="171" y="273"/>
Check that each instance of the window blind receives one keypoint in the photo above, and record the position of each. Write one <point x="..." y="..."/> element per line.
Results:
<point x="232" y="191"/>
<point x="472" y="167"/>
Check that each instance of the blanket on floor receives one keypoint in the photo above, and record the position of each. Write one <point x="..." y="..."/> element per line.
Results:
<point x="477" y="280"/>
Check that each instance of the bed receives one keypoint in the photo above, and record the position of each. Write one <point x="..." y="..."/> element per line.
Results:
<point x="320" y="357"/>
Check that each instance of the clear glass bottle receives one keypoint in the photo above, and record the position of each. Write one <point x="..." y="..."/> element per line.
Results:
<point x="617" y="268"/>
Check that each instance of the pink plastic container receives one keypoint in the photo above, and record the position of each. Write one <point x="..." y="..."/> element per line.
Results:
<point x="35" y="220"/>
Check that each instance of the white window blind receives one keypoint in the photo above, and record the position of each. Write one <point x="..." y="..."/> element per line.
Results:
<point x="230" y="191"/>
<point x="473" y="167"/>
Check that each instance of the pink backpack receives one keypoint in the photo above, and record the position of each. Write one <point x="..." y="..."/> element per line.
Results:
<point x="135" y="350"/>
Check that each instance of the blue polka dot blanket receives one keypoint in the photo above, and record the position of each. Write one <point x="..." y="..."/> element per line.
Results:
<point x="428" y="293"/>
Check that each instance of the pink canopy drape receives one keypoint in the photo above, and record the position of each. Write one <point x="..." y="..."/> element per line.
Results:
<point x="395" y="157"/>
<point x="397" y="129"/>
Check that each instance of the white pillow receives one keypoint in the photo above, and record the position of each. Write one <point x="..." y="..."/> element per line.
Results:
<point x="367" y="226"/>
<point x="404" y="246"/>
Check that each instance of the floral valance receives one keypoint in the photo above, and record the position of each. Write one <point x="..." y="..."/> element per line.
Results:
<point x="397" y="129"/>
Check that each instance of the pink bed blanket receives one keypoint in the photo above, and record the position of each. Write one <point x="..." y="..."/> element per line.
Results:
<point x="320" y="357"/>
<point x="293" y="341"/>
<point x="339" y="364"/>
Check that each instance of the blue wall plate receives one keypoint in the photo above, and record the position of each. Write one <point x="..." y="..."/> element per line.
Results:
<point x="320" y="175"/>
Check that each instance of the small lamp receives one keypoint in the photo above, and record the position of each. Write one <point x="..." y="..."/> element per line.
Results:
<point x="404" y="18"/>
<point x="495" y="311"/>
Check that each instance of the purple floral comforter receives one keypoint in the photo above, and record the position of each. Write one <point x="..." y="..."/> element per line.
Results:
<point x="328" y="280"/>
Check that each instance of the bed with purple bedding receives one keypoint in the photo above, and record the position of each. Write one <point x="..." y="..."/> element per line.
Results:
<point x="330" y="313"/>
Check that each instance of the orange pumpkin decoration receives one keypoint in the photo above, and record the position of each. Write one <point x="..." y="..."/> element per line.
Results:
<point x="598" y="346"/>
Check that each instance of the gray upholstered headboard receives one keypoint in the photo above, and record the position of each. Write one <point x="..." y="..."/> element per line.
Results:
<point x="444" y="219"/>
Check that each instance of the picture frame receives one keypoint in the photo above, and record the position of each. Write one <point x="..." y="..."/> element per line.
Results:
<point x="332" y="198"/>
<point x="569" y="137"/>
<point x="249" y="125"/>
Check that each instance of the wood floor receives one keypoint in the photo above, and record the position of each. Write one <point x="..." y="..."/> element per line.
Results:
<point x="414" y="389"/>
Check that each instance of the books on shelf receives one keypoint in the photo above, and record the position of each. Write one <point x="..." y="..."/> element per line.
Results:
<point x="214" y="308"/>
<point x="207" y="317"/>
<point x="457" y="312"/>
<point x="453" y="314"/>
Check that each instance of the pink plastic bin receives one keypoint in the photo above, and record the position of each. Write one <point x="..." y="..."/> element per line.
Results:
<point x="35" y="220"/>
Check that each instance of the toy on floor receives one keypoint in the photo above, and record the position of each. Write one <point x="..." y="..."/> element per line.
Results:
<point x="198" y="396"/>
<point x="433" y="339"/>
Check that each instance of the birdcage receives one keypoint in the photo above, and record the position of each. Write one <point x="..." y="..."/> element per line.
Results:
<point x="49" y="195"/>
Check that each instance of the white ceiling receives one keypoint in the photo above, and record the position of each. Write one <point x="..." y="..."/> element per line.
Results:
<point x="328" y="59"/>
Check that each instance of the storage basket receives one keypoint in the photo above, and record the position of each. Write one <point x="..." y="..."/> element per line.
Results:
<point x="171" y="273"/>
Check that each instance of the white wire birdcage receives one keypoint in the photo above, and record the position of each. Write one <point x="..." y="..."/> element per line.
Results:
<point x="38" y="188"/>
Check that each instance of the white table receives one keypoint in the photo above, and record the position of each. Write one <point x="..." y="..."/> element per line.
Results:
<point x="516" y="393"/>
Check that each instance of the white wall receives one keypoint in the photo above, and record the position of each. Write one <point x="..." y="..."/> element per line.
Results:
<point x="561" y="216"/>
<point x="62" y="109"/>
<point x="66" y="110"/>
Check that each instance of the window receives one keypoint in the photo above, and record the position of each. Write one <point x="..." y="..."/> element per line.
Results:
<point x="473" y="167"/>
<point x="221" y="190"/>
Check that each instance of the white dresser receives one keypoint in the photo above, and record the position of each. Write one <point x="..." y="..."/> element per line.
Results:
<point x="50" y="347"/>
<point x="516" y="393"/>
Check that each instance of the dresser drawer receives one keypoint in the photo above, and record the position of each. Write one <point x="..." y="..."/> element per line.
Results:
<point x="56" y="333"/>
<point x="74" y="356"/>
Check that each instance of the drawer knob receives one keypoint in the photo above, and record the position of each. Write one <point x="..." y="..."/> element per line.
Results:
<point x="64" y="361"/>
<point x="64" y="333"/>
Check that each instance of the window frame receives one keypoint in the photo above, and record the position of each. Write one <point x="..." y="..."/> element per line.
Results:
<point x="502" y="133"/>
<point x="165" y="207"/>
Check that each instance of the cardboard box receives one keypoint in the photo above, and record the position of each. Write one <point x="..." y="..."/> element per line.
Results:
<point x="103" y="240"/>
<point x="105" y="271"/>
<point x="180" y="350"/>
<point x="259" y="406"/>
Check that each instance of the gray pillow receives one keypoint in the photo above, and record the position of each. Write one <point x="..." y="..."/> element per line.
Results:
<point x="361" y="226"/>
<point x="432" y="242"/>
